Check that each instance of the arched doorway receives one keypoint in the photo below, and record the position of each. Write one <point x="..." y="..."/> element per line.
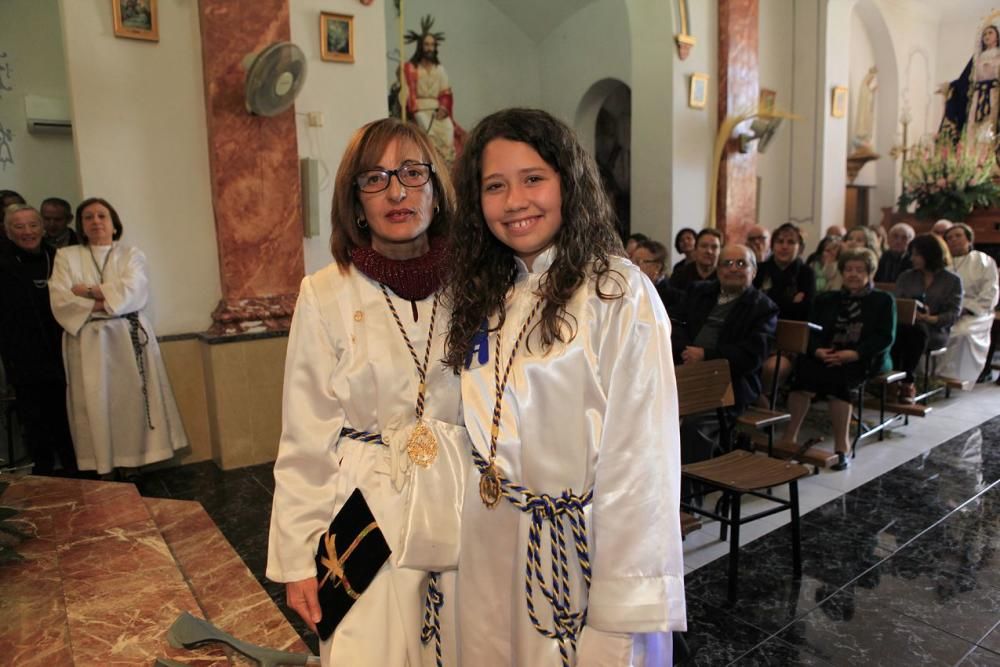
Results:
<point x="605" y="118"/>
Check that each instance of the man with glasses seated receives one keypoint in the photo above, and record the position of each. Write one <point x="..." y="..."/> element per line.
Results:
<point x="651" y="258"/>
<point x="728" y="319"/>
<point x="759" y="241"/>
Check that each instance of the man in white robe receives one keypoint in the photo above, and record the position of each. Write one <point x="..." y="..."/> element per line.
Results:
<point x="970" y="336"/>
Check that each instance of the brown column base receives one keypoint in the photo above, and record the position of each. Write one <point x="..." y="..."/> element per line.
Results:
<point x="252" y="315"/>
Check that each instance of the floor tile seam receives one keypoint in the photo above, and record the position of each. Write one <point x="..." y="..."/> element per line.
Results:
<point x="779" y="640"/>
<point x="261" y="485"/>
<point x="979" y="642"/>
<point x="973" y="642"/>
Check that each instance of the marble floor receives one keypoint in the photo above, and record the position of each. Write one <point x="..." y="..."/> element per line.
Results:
<point x="901" y="553"/>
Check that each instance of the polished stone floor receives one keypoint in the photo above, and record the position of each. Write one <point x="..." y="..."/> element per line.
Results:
<point x="901" y="553"/>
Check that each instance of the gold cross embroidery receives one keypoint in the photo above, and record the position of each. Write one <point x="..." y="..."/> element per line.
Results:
<point x="334" y="564"/>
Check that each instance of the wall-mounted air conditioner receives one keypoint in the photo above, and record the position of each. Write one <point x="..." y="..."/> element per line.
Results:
<point x="47" y="115"/>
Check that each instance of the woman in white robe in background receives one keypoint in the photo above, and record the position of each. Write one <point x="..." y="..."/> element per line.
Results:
<point x="349" y="367"/>
<point x="589" y="419"/>
<point x="122" y="412"/>
<point x="969" y="340"/>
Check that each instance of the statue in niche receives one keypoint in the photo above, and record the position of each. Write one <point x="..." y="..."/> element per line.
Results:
<point x="864" y="118"/>
<point x="426" y="91"/>
<point x="972" y="101"/>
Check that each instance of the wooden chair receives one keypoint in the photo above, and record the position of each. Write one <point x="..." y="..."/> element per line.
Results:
<point x="906" y="313"/>
<point x="708" y="386"/>
<point x="886" y="287"/>
<point x="791" y="337"/>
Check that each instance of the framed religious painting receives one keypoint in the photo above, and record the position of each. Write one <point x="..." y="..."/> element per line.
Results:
<point x="136" y="19"/>
<point x="698" y="93"/>
<point x="838" y="102"/>
<point x="336" y="37"/>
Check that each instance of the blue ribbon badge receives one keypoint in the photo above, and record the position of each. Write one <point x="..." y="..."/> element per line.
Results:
<point x="480" y="346"/>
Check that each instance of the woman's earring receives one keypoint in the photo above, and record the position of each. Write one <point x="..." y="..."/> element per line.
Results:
<point x="437" y="209"/>
<point x="361" y="223"/>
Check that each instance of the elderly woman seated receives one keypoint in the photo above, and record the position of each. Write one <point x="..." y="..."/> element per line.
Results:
<point x="939" y="292"/>
<point x="858" y="324"/>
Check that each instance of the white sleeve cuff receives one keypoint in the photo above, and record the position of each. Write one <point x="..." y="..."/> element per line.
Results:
<point x="638" y="604"/>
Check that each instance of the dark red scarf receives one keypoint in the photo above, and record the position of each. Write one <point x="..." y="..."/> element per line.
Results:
<point x="411" y="279"/>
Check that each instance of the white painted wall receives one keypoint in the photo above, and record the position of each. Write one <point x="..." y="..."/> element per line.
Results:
<point x="139" y="116"/>
<point x="777" y="66"/>
<point x="31" y="38"/>
<point x="491" y="63"/>
<point x="692" y="130"/>
<point x="348" y="95"/>
<point x="590" y="45"/>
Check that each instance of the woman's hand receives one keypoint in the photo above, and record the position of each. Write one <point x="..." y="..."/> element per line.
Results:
<point x="98" y="307"/>
<point x="82" y="291"/>
<point x="926" y="317"/>
<point x="799" y="297"/>
<point x="303" y="597"/>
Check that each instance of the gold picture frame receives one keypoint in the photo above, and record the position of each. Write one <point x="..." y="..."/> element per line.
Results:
<point x="336" y="37"/>
<point x="136" y="19"/>
<point x="838" y="102"/>
<point x="698" y="93"/>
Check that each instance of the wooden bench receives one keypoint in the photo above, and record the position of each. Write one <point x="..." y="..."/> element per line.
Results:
<point x="708" y="386"/>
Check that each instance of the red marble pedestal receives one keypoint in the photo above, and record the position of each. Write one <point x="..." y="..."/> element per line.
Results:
<point x="738" y="90"/>
<point x="108" y="572"/>
<point x="254" y="166"/>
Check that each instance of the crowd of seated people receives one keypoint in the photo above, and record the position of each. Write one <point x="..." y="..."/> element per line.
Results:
<point x="724" y="301"/>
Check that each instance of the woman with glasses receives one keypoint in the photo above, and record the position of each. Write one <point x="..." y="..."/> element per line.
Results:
<point x="857" y="328"/>
<point x="362" y="376"/>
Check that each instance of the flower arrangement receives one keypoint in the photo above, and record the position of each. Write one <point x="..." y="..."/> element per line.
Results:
<point x="947" y="179"/>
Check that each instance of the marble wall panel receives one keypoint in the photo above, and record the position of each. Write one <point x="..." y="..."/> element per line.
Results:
<point x="738" y="91"/>
<point x="254" y="170"/>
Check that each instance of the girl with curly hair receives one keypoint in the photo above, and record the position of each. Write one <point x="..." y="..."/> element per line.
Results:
<point x="571" y="543"/>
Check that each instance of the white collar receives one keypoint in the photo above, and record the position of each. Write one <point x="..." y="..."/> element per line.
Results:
<point x="539" y="266"/>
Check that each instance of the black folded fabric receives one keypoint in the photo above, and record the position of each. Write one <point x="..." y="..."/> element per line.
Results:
<point x="350" y="554"/>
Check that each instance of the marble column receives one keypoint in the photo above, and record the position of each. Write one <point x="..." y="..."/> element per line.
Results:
<point x="254" y="166"/>
<point x="738" y="91"/>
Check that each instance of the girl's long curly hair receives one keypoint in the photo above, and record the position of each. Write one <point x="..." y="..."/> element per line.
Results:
<point x="482" y="269"/>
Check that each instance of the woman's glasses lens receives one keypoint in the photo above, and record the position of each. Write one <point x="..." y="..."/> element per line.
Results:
<point x="410" y="175"/>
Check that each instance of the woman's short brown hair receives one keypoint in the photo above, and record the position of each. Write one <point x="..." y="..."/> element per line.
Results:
<point x="865" y="255"/>
<point x="363" y="152"/>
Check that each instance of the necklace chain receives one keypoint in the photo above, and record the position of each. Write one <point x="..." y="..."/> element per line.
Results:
<point x="104" y="264"/>
<point x="421" y="368"/>
<point x="501" y="384"/>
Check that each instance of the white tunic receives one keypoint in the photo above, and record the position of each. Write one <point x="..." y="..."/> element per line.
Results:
<point x="969" y="340"/>
<point x="598" y="413"/>
<point x="107" y="413"/>
<point x="347" y="364"/>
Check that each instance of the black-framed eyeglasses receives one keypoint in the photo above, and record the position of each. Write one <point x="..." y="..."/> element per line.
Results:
<point x="412" y="175"/>
<point x="738" y="263"/>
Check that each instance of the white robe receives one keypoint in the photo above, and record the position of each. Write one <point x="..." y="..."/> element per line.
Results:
<point x="347" y="364"/>
<point x="597" y="413"/>
<point x="969" y="340"/>
<point x="107" y="414"/>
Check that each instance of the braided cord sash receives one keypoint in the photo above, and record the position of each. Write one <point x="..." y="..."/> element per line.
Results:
<point x="434" y="599"/>
<point x="557" y="511"/>
<point x="140" y="339"/>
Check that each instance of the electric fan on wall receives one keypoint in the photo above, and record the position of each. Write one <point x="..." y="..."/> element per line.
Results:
<point x="274" y="77"/>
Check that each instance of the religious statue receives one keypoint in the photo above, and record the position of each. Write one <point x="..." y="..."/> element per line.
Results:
<point x="864" y="118"/>
<point x="973" y="99"/>
<point x="426" y="91"/>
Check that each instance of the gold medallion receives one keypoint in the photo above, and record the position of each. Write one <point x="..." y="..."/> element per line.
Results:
<point x="489" y="487"/>
<point x="422" y="445"/>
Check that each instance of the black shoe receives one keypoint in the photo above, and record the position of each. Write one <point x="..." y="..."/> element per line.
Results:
<point x="843" y="462"/>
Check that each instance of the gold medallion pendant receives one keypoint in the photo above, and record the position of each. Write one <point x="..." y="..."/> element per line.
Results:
<point x="422" y="445"/>
<point x="489" y="487"/>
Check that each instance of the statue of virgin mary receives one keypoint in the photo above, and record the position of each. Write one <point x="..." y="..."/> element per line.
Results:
<point x="972" y="101"/>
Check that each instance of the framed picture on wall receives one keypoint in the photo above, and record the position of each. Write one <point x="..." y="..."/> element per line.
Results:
<point x="136" y="19"/>
<point x="838" y="102"/>
<point x="766" y="103"/>
<point x="698" y="94"/>
<point x="336" y="37"/>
